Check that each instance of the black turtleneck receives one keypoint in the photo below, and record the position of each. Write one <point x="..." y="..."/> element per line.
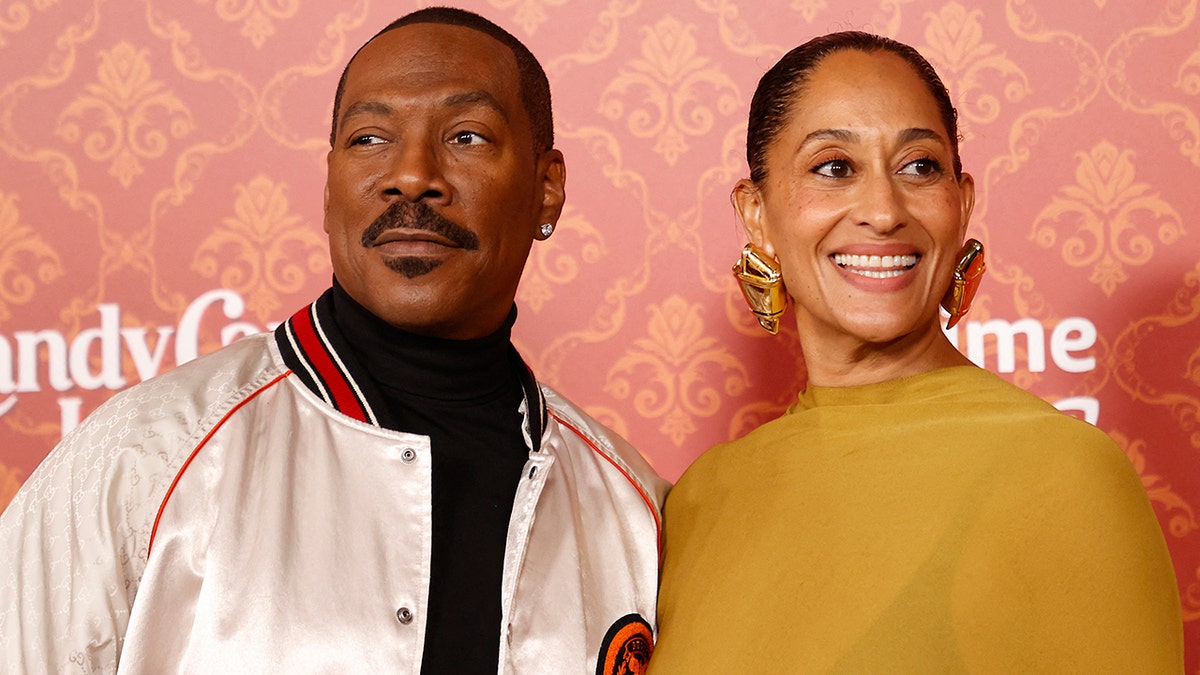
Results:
<point x="464" y="395"/>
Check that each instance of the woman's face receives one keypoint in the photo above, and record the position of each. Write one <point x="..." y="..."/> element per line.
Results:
<point x="860" y="203"/>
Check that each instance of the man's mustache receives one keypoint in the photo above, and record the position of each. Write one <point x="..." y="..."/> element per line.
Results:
<point x="419" y="216"/>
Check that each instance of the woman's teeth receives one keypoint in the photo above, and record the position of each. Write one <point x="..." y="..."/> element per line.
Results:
<point x="876" y="266"/>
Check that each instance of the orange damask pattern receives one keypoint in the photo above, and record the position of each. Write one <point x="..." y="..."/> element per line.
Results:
<point x="129" y="113"/>
<point x="272" y="252"/>
<point x="1116" y="220"/>
<point x="161" y="180"/>
<point x="26" y="260"/>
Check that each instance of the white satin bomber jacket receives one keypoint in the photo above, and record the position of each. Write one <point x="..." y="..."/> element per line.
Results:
<point x="235" y="516"/>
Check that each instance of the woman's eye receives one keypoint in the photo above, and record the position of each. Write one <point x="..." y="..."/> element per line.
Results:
<point x="922" y="167"/>
<point x="834" y="168"/>
<point x="468" y="138"/>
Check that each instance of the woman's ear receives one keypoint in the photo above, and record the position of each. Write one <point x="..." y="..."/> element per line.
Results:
<point x="966" y="189"/>
<point x="747" y="203"/>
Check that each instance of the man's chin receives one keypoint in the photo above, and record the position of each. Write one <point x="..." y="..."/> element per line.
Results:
<point x="412" y="267"/>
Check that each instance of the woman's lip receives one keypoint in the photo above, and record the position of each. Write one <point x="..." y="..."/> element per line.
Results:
<point x="872" y="265"/>
<point x="876" y="273"/>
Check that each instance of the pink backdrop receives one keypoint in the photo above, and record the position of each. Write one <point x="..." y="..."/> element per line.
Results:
<point x="162" y="165"/>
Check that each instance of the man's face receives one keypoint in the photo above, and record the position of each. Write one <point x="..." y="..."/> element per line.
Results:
<point x="434" y="192"/>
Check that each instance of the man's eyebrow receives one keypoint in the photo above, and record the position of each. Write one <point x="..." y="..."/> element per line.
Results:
<point x="463" y="99"/>
<point x="365" y="108"/>
<point x="475" y="97"/>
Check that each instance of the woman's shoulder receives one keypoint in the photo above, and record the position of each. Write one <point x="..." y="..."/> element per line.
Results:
<point x="727" y="465"/>
<point x="711" y="465"/>
<point x="1002" y="410"/>
<point x="1040" y="450"/>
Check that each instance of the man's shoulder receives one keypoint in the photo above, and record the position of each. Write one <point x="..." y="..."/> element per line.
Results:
<point x="217" y="375"/>
<point x="608" y="443"/>
<point x="175" y="404"/>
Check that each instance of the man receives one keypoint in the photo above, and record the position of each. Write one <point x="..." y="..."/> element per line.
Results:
<point x="380" y="485"/>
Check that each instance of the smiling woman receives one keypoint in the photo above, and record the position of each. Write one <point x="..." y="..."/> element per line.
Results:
<point x="861" y="204"/>
<point x="910" y="512"/>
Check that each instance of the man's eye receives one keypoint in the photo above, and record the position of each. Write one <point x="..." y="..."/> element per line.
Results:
<point x="922" y="167"/>
<point x="468" y="138"/>
<point x="366" y="139"/>
<point x="834" y="168"/>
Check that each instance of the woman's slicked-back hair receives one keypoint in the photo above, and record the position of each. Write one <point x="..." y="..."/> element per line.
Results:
<point x="781" y="87"/>
<point x="532" y="82"/>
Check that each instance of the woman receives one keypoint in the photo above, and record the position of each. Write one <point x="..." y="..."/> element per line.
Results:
<point x="910" y="512"/>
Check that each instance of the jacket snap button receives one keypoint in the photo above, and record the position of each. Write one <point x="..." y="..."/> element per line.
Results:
<point x="408" y="456"/>
<point x="404" y="615"/>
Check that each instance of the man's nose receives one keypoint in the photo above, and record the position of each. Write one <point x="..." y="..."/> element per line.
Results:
<point x="415" y="173"/>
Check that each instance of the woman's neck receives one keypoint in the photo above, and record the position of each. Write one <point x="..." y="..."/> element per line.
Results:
<point x="847" y="361"/>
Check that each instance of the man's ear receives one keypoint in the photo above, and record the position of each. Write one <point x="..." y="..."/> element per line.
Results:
<point x="747" y="203"/>
<point x="966" y="188"/>
<point x="325" y="203"/>
<point x="552" y="171"/>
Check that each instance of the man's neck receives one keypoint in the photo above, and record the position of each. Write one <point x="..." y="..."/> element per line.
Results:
<point x="427" y="367"/>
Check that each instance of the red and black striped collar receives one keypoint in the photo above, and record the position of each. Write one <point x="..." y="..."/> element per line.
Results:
<point x="308" y="349"/>
<point x="314" y="349"/>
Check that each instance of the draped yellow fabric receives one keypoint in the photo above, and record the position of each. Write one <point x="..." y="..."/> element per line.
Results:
<point x="945" y="522"/>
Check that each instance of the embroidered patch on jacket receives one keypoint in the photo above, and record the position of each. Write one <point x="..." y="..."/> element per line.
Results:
<point x="626" y="648"/>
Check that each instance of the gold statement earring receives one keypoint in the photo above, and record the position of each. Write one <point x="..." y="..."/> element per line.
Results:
<point x="762" y="285"/>
<point x="967" y="275"/>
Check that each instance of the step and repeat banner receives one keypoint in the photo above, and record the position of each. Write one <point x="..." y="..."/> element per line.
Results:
<point x="162" y="165"/>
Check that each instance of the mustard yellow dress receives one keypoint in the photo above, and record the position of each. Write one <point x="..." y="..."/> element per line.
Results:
<point x="945" y="522"/>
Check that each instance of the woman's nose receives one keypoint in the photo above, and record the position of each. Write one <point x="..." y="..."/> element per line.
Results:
<point x="881" y="203"/>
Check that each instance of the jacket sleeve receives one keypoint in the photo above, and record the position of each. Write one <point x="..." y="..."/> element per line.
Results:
<point x="74" y="540"/>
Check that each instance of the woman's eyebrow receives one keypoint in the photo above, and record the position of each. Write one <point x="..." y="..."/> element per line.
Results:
<point x="843" y="135"/>
<point x="920" y="134"/>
